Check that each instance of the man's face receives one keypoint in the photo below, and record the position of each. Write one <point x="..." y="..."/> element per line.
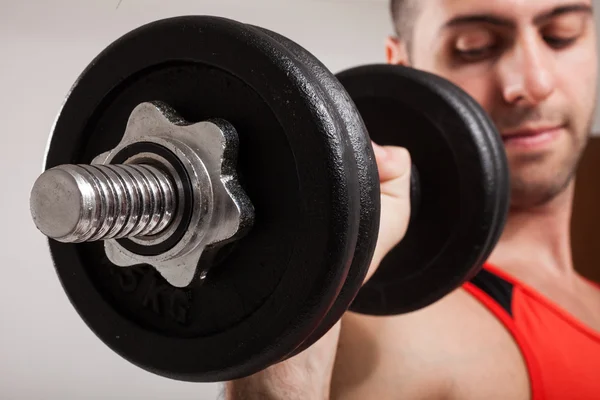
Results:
<point x="532" y="65"/>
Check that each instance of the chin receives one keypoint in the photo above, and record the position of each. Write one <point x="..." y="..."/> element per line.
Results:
<point x="535" y="190"/>
<point x="539" y="175"/>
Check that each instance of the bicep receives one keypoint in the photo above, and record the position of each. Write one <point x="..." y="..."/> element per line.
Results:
<point x="383" y="358"/>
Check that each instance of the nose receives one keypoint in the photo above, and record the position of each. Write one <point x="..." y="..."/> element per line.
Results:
<point x="526" y="73"/>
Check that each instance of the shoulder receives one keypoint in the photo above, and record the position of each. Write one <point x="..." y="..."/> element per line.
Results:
<point x="424" y="354"/>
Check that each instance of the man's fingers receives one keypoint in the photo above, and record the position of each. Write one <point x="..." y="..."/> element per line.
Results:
<point x="392" y="162"/>
<point x="394" y="166"/>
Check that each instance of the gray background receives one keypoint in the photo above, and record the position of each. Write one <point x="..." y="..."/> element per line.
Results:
<point x="46" y="351"/>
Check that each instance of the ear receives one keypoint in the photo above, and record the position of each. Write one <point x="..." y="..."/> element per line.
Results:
<point x="396" y="51"/>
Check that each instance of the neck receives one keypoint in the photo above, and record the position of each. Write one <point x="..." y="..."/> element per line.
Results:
<point x="536" y="242"/>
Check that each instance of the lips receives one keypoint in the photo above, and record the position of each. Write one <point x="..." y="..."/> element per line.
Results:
<point x="525" y="132"/>
<point x="530" y="138"/>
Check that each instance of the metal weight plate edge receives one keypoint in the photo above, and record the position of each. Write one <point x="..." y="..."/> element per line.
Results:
<point x="368" y="180"/>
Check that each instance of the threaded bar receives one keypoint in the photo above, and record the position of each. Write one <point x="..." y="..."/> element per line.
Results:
<point x="78" y="203"/>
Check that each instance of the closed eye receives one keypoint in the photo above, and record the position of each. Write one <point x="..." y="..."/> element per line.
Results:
<point x="476" y="54"/>
<point x="558" y="42"/>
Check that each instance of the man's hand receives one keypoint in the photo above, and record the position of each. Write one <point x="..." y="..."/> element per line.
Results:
<point x="308" y="374"/>
<point x="394" y="165"/>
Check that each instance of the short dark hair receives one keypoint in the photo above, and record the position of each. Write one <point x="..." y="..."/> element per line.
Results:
<point x="404" y="14"/>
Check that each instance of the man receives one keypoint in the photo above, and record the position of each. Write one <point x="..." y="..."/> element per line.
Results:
<point x="528" y="327"/>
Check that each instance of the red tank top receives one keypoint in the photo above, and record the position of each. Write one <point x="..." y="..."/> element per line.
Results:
<point x="561" y="353"/>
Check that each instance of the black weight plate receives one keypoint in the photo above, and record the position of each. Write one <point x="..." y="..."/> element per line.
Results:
<point x="265" y="293"/>
<point x="500" y="162"/>
<point x="368" y="179"/>
<point x="463" y="175"/>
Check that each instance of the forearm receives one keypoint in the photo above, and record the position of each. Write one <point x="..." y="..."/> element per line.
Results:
<point x="282" y="381"/>
<point x="304" y="376"/>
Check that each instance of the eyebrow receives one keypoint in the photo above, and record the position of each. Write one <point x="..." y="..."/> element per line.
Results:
<point x="507" y="23"/>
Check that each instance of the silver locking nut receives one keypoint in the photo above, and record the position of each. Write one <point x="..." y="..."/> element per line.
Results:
<point x="143" y="198"/>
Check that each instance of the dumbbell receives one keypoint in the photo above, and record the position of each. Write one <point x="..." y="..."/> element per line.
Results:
<point x="211" y="198"/>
